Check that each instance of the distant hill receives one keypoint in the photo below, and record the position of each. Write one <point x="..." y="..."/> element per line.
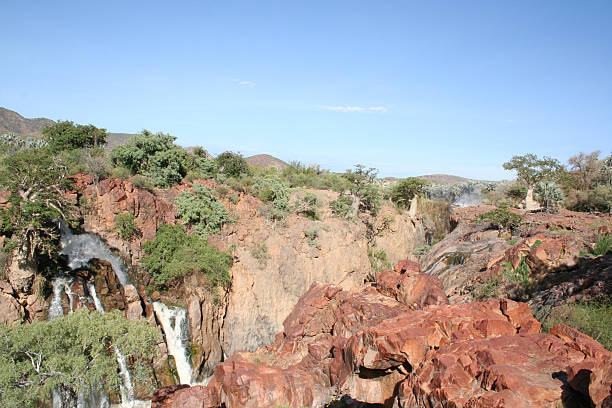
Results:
<point x="116" y="139"/>
<point x="444" y="179"/>
<point x="265" y="161"/>
<point x="12" y="122"/>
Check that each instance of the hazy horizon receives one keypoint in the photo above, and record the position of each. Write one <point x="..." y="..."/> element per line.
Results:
<point x="408" y="88"/>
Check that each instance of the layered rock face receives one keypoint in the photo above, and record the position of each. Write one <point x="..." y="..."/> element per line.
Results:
<point x="378" y="349"/>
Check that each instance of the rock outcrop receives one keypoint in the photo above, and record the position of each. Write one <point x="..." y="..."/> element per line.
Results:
<point x="552" y="246"/>
<point x="378" y="350"/>
<point x="274" y="262"/>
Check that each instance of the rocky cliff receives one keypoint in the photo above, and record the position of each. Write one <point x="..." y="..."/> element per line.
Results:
<point x="378" y="350"/>
<point x="274" y="262"/>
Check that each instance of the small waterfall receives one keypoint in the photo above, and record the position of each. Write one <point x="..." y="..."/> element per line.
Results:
<point x="60" y="285"/>
<point x="81" y="248"/>
<point x="176" y="329"/>
<point x="127" y="389"/>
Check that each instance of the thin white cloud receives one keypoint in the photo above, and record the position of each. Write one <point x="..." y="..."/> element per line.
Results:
<point x="248" y="84"/>
<point x="511" y="121"/>
<point x="360" y="109"/>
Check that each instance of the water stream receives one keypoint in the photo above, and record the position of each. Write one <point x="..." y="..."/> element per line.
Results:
<point x="176" y="329"/>
<point x="80" y="249"/>
<point x="463" y="254"/>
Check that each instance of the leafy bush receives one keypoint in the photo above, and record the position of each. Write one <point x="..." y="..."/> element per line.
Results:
<point x="501" y="218"/>
<point x="311" y="237"/>
<point x="378" y="261"/>
<point x="312" y="176"/>
<point x="307" y="205"/>
<point x="342" y="206"/>
<point x="422" y="250"/>
<point x="597" y="199"/>
<point x="202" y="168"/>
<point x="591" y="318"/>
<point x="405" y="190"/>
<point x="201" y="208"/>
<point x="153" y="155"/>
<point x="232" y="164"/>
<point x="120" y="172"/>
<point x="174" y="254"/>
<point x="70" y="353"/>
<point x="517" y="192"/>
<point x="125" y="226"/>
<point x="520" y="274"/>
<point x="66" y="135"/>
<point x="142" y="182"/>
<point x="273" y="190"/>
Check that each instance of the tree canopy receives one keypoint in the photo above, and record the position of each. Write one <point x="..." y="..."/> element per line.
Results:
<point x="531" y="169"/>
<point x="37" y="181"/>
<point x="69" y="353"/>
<point x="406" y="189"/>
<point x="65" y="135"/>
<point x="232" y="164"/>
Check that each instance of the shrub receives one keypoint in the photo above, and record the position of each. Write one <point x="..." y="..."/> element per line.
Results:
<point x="311" y="237"/>
<point x="517" y="192"/>
<point x="174" y="254"/>
<point x="232" y="164"/>
<point x="422" y="250"/>
<point x="598" y="199"/>
<point x="342" y="206"/>
<point x="142" y="182"/>
<point x="549" y="194"/>
<point x="520" y="274"/>
<point x="273" y="190"/>
<point x="260" y="252"/>
<point x="125" y="226"/>
<point x="603" y="244"/>
<point x="592" y="318"/>
<point x="307" y="205"/>
<point x="201" y="208"/>
<point x="363" y="187"/>
<point x="501" y="218"/>
<point x="378" y="261"/>
<point x="120" y="172"/>
<point x="405" y="190"/>
<point x="153" y="155"/>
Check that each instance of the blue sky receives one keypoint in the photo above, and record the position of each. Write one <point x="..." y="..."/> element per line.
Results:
<point x="407" y="87"/>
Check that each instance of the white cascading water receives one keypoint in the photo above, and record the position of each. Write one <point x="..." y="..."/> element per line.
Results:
<point x="82" y="248"/>
<point x="127" y="389"/>
<point x="176" y="329"/>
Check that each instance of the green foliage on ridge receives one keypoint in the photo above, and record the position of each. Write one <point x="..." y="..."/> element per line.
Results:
<point x="501" y="218"/>
<point x="201" y="208"/>
<point x="66" y="135"/>
<point x="405" y="190"/>
<point x="175" y="254"/>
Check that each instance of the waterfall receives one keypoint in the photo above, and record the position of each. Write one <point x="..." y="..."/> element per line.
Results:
<point x="127" y="389"/>
<point x="81" y="248"/>
<point x="176" y="330"/>
<point x="60" y="285"/>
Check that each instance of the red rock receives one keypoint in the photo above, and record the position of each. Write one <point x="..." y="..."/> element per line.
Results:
<point x="407" y="285"/>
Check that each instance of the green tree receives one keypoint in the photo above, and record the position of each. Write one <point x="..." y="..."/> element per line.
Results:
<point x="174" y="254"/>
<point x="152" y="155"/>
<point x="585" y="169"/>
<point x="232" y="164"/>
<point x="362" y="185"/>
<point x="201" y="208"/>
<point x="65" y="135"/>
<point x="501" y="218"/>
<point x="69" y="353"/>
<point x="37" y="182"/>
<point x="406" y="189"/>
<point x="273" y="189"/>
<point x="531" y="169"/>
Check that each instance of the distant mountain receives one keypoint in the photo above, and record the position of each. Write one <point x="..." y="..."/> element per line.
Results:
<point x="116" y="139"/>
<point x="444" y="179"/>
<point x="12" y="122"/>
<point x="266" y="161"/>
